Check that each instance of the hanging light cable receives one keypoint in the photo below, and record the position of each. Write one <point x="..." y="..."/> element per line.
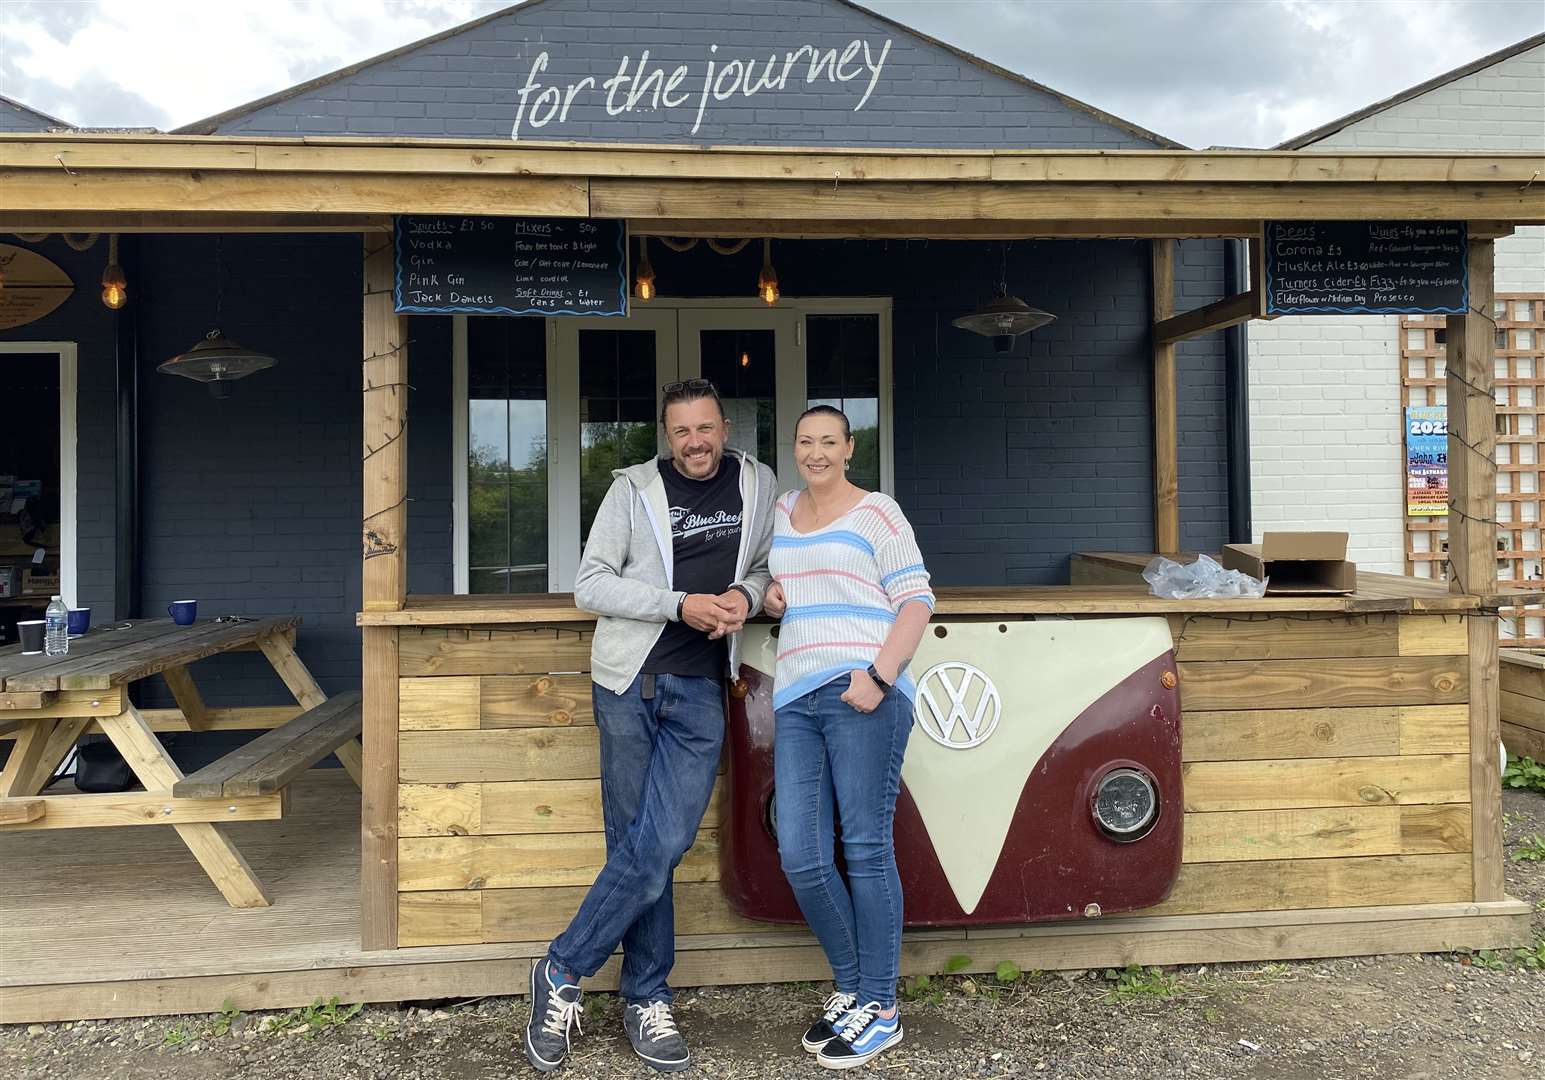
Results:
<point x="643" y="279"/>
<point x="115" y="287"/>
<point x="767" y="283"/>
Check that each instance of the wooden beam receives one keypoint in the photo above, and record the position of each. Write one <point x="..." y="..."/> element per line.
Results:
<point x="1472" y="446"/>
<point x="143" y="808"/>
<point x="213" y="221"/>
<point x="806" y="201"/>
<point x="495" y="157"/>
<point x="902" y="229"/>
<point x="30" y="190"/>
<point x="17" y="813"/>
<point x="1218" y="315"/>
<point x="378" y="791"/>
<point x="1166" y="431"/>
<point x="385" y="435"/>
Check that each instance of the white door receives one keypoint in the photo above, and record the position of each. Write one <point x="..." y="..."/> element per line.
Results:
<point x="753" y="356"/>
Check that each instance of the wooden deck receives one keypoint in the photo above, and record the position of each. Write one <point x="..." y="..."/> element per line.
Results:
<point x="170" y="944"/>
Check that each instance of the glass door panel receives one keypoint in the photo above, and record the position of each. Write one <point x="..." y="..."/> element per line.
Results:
<point x="606" y="374"/>
<point x="843" y="370"/>
<point x="753" y="357"/>
<point x="506" y="456"/>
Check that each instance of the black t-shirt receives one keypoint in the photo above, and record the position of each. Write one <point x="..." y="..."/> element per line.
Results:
<point x="705" y="540"/>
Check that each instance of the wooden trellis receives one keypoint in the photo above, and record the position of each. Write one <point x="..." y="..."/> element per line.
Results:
<point x="1520" y="392"/>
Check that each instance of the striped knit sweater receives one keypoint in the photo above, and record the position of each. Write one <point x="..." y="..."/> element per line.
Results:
<point x="844" y="585"/>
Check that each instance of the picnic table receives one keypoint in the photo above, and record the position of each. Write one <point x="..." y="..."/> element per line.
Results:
<point x="49" y="702"/>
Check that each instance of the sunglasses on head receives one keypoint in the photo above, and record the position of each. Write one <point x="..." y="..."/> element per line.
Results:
<point x="688" y="384"/>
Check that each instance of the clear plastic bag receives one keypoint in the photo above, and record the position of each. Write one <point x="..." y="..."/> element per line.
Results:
<point x="1202" y="580"/>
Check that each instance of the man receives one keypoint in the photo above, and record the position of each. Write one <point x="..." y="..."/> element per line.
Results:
<point x="675" y="563"/>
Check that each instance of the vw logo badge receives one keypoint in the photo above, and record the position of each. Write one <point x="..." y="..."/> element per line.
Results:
<point x="955" y="695"/>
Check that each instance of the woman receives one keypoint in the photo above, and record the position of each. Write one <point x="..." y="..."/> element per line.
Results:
<point x="851" y="588"/>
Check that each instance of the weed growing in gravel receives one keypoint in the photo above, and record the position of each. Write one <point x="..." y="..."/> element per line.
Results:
<point x="220" y="1026"/>
<point x="921" y="990"/>
<point x="315" y="1018"/>
<point x="1530" y="849"/>
<point x="177" y="1036"/>
<point x="1529" y="959"/>
<point x="1524" y="772"/>
<point x="1135" y="982"/>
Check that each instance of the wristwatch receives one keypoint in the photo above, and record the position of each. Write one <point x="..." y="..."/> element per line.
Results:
<point x="881" y="683"/>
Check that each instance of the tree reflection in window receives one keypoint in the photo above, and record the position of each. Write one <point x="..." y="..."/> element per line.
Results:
<point x="506" y="455"/>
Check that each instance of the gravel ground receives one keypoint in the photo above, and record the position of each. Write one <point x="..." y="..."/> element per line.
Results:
<point x="1420" y="1017"/>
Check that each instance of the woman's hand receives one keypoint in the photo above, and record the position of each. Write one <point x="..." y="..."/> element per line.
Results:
<point x="863" y="693"/>
<point x="773" y="603"/>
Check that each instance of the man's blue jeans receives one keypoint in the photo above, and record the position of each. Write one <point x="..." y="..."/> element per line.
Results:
<point x="659" y="757"/>
<point x="830" y="760"/>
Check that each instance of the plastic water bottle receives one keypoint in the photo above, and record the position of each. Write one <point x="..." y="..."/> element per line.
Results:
<point x="56" y="632"/>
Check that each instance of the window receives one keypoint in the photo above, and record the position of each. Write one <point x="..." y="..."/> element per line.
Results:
<point x="506" y="456"/>
<point x="842" y="368"/>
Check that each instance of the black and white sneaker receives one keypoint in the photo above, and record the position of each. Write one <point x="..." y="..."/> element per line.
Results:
<point x="652" y="1031"/>
<point x="555" y="1008"/>
<point x="861" y="1036"/>
<point x="824" y="1030"/>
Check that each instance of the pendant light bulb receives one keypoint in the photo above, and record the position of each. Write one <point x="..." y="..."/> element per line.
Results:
<point x="115" y="287"/>
<point x="745" y="359"/>
<point x="767" y="284"/>
<point x="643" y="280"/>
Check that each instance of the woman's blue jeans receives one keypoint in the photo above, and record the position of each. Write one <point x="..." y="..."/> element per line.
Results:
<point x="832" y="762"/>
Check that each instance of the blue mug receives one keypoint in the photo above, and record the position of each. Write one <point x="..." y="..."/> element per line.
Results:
<point x="79" y="621"/>
<point x="183" y="612"/>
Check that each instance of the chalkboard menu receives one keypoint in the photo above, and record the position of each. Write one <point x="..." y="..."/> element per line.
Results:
<point x="1365" y="267"/>
<point x="448" y="265"/>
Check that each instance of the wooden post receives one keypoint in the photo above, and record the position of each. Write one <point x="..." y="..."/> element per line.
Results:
<point x="385" y="393"/>
<point x="1472" y="551"/>
<point x="1166" y="428"/>
<point x="385" y="429"/>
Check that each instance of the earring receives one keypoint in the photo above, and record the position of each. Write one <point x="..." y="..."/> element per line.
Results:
<point x="847" y="463"/>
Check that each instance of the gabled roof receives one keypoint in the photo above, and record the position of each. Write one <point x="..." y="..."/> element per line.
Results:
<point x="210" y="125"/>
<point x="1308" y="138"/>
<point x="27" y="112"/>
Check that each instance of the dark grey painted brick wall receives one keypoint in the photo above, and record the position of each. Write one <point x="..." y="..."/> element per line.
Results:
<point x="467" y="86"/>
<point x="252" y="503"/>
<point x="83" y="320"/>
<point x="1008" y="464"/>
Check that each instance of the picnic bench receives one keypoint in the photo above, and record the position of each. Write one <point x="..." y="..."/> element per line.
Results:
<point x="48" y="702"/>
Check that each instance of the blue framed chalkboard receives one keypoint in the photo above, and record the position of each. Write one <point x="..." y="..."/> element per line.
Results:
<point x="1366" y="268"/>
<point x="451" y="265"/>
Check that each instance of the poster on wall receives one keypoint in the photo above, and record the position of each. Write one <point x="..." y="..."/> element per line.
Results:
<point x="1427" y="460"/>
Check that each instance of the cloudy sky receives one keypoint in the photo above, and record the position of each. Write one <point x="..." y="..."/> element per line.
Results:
<point x="1204" y="72"/>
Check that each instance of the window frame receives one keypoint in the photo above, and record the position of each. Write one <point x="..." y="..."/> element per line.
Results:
<point x="563" y="404"/>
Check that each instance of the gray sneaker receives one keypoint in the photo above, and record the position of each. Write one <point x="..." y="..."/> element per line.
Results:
<point x="652" y="1031"/>
<point x="555" y="1007"/>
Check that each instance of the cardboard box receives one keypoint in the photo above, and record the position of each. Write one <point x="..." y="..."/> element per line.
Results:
<point x="1299" y="563"/>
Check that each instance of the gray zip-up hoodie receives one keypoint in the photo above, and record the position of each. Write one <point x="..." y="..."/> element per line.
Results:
<point x="627" y="572"/>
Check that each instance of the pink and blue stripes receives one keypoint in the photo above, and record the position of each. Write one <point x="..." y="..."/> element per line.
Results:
<point x="845" y="585"/>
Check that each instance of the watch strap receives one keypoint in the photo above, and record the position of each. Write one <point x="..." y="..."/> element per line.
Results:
<point x="875" y="675"/>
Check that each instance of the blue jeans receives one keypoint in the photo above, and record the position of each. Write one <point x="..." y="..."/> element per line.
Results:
<point x="659" y="757"/>
<point x="830" y="759"/>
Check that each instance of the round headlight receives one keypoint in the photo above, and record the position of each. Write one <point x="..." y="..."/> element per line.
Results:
<point x="1125" y="804"/>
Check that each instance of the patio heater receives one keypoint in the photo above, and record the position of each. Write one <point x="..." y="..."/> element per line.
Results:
<point x="216" y="360"/>
<point x="1004" y="317"/>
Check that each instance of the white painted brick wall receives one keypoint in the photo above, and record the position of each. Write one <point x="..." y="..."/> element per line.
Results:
<point x="1325" y="425"/>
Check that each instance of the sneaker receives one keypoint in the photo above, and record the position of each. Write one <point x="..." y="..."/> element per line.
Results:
<point x="824" y="1030"/>
<point x="861" y="1035"/>
<point x="555" y="1007"/>
<point x="652" y="1031"/>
